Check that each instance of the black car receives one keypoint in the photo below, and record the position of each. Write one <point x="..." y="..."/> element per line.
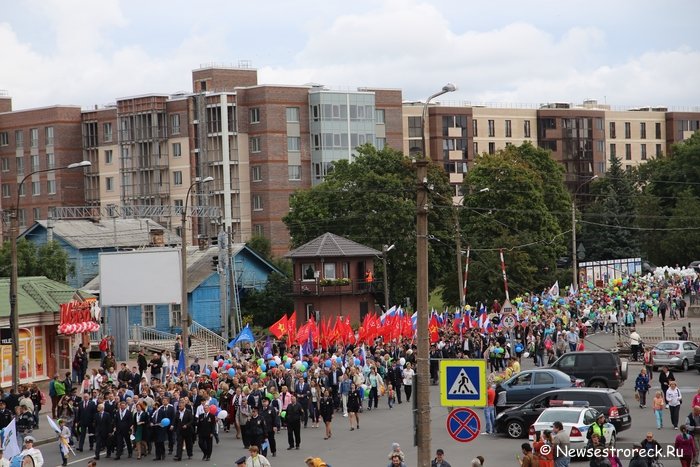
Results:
<point x="515" y="421"/>
<point x="598" y="369"/>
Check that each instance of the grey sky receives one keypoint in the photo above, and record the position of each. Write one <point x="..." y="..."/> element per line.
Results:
<point x="92" y="52"/>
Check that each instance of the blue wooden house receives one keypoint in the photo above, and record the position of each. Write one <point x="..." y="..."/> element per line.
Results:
<point x="85" y="239"/>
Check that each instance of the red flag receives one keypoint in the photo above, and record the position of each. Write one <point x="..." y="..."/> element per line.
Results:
<point x="433" y="327"/>
<point x="457" y="324"/>
<point x="292" y="327"/>
<point x="407" y="331"/>
<point x="279" y="329"/>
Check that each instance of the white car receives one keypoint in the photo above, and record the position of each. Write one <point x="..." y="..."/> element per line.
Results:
<point x="576" y="421"/>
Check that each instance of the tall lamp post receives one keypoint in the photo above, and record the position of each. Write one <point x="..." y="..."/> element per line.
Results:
<point x="422" y="418"/>
<point x="386" y="249"/>
<point x="14" y="232"/>
<point x="184" y="307"/>
<point x="574" y="257"/>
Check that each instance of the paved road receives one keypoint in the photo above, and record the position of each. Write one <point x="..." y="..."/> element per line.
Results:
<point x="379" y="428"/>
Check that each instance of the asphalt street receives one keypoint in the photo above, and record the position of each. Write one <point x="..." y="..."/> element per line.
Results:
<point x="380" y="428"/>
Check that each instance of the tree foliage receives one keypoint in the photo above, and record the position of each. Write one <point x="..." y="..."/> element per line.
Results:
<point x="269" y="304"/>
<point x="373" y="201"/>
<point x="48" y="260"/>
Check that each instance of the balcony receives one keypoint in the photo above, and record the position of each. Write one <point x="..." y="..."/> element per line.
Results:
<point x="312" y="288"/>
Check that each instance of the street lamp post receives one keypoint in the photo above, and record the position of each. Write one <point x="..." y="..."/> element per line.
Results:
<point x="422" y="418"/>
<point x="184" y="307"/>
<point x="14" y="232"/>
<point x="574" y="257"/>
<point x="386" y="249"/>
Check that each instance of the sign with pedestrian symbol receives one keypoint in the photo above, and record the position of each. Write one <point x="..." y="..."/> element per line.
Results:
<point x="463" y="383"/>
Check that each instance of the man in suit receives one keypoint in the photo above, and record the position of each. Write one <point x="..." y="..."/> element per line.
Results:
<point x="158" y="432"/>
<point x="103" y="428"/>
<point x="111" y="404"/>
<point x="396" y="378"/>
<point x="169" y="413"/>
<point x="86" y="421"/>
<point x="302" y="390"/>
<point x="295" y="411"/>
<point x="123" y="421"/>
<point x="184" y="429"/>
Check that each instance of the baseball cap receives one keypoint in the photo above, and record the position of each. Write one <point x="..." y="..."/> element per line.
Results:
<point x="241" y="461"/>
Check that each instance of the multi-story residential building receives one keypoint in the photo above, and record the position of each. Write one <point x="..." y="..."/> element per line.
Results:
<point x="39" y="140"/>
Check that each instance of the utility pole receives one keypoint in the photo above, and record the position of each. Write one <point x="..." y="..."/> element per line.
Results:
<point x="423" y="358"/>
<point x="386" y="249"/>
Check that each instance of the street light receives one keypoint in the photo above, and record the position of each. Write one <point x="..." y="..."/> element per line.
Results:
<point x="385" y="250"/>
<point x="574" y="258"/>
<point x="14" y="232"/>
<point x="422" y="418"/>
<point x="184" y="309"/>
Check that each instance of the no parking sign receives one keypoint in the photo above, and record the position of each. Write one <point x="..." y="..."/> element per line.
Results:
<point x="463" y="425"/>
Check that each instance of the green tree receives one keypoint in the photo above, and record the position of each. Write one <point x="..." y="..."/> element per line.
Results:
<point x="523" y="213"/>
<point x="261" y="245"/>
<point x="48" y="260"/>
<point x="268" y="305"/>
<point x="373" y="201"/>
<point x="682" y="245"/>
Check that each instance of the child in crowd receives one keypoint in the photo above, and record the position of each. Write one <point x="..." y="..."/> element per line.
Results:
<point x="658" y="406"/>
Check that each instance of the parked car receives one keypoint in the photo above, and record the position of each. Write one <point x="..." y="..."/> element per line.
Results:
<point x="530" y="383"/>
<point x="676" y="354"/>
<point x="515" y="421"/>
<point x="598" y="369"/>
<point x="697" y="359"/>
<point x="576" y="421"/>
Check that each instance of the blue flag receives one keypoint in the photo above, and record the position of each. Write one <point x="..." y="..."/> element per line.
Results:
<point x="181" y="363"/>
<point x="246" y="335"/>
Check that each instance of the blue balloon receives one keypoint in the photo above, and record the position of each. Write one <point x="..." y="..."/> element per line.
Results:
<point x="357" y="362"/>
<point x="207" y="371"/>
<point x="518" y="348"/>
<point x="269" y="356"/>
<point x="338" y="360"/>
<point x="328" y="363"/>
<point x="272" y="364"/>
<point x="263" y="367"/>
<point x="231" y="372"/>
<point x="165" y="422"/>
<point x="288" y="364"/>
<point x="535" y="299"/>
<point x="305" y="374"/>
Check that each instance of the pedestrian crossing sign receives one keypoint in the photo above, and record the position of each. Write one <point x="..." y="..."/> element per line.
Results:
<point x="463" y="383"/>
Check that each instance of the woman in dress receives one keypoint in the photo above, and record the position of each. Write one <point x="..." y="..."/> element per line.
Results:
<point x="140" y="419"/>
<point x="354" y="403"/>
<point x="326" y="409"/>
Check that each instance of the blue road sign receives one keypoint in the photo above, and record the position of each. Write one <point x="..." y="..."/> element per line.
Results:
<point x="463" y="383"/>
<point x="463" y="425"/>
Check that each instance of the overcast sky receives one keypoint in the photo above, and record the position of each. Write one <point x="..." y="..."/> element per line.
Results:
<point x="641" y="52"/>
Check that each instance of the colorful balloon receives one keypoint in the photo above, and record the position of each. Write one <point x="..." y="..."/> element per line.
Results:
<point x="165" y="422"/>
<point x="212" y="409"/>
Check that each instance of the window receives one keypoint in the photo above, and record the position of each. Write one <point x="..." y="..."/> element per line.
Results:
<point x="107" y="132"/>
<point x="20" y="165"/>
<point x="177" y="149"/>
<point x="628" y="130"/>
<point x="257" y="203"/>
<point x="549" y="123"/>
<point x="658" y="150"/>
<point x="255" y="144"/>
<point x="509" y="129"/>
<point x="380" y="143"/>
<point x="22" y="216"/>
<point x="125" y="152"/>
<point x="612" y="130"/>
<point x="544" y="378"/>
<point x="109" y="183"/>
<point x="329" y="270"/>
<point x="658" y="130"/>
<point x="49" y="135"/>
<point x="34" y="137"/>
<point x="292" y="114"/>
<point x="51" y="187"/>
<point x="492" y="128"/>
<point x="380" y="115"/>
<point x="475" y="128"/>
<point x="346" y="269"/>
<point x="476" y="149"/>
<point x="108" y="156"/>
<point x="254" y="115"/>
<point x="415" y="130"/>
<point x="34" y="159"/>
<point x="293" y="143"/>
<point x="4" y="138"/>
<point x="492" y="148"/>
<point x="19" y="138"/>
<point x="175" y="315"/>
<point x="526" y="128"/>
<point x="308" y="272"/>
<point x="256" y="173"/>
<point x="5" y="190"/>
<point x="175" y="124"/>
<point x="177" y="177"/>
<point x="550" y="145"/>
<point x="628" y="152"/>
<point x="295" y="172"/>
<point x="36" y="213"/>
<point x="613" y="150"/>
<point x="36" y="188"/>
<point x="598" y="123"/>
<point x="259" y="230"/>
<point x="5" y="164"/>
<point x="50" y="160"/>
<point x="643" y="130"/>
<point x="644" y="152"/>
<point x="315" y="113"/>
<point x="148" y="316"/>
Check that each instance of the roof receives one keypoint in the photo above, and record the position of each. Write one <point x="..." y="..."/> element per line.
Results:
<point x="114" y="233"/>
<point x="37" y="294"/>
<point x="332" y="245"/>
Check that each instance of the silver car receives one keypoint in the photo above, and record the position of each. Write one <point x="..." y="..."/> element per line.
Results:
<point x="678" y="354"/>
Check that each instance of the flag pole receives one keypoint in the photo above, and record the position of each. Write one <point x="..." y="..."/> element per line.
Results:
<point x="466" y="274"/>
<point x="505" y="279"/>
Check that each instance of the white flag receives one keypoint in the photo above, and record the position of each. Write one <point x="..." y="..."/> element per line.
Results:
<point x="9" y="441"/>
<point x="554" y="291"/>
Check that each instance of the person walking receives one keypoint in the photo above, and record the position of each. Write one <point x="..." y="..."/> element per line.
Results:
<point x="123" y="423"/>
<point x="159" y="434"/>
<point x="692" y="424"/>
<point x="665" y="377"/>
<point x="295" y="412"/>
<point x="354" y="404"/>
<point x="543" y="449"/>
<point x="184" y="430"/>
<point x="439" y="460"/>
<point x="326" y="409"/>
<point x="641" y="386"/>
<point x="674" y="399"/>
<point x="658" y="406"/>
<point x="560" y="445"/>
<point x="63" y="441"/>
<point x="490" y="410"/>
<point x="685" y="447"/>
<point x="139" y="427"/>
<point x="206" y="426"/>
<point x="256" y="459"/>
<point x="272" y="423"/>
<point x="104" y="427"/>
<point x="408" y="375"/>
<point x="635" y="340"/>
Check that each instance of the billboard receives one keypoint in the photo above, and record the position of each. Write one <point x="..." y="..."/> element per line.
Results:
<point x="601" y="272"/>
<point x="140" y="277"/>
